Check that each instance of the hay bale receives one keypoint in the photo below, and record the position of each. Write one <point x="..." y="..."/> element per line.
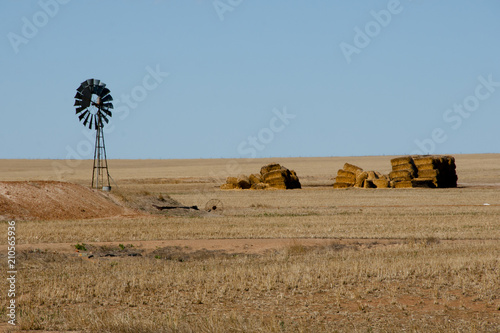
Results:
<point x="341" y="185"/>
<point x="360" y="179"/>
<point x="270" y="167"/>
<point x="422" y="182"/>
<point x="428" y="166"/>
<point x="347" y="180"/>
<point x="244" y="182"/>
<point x="352" y="168"/>
<point x="401" y="175"/>
<point x="381" y="183"/>
<point x="428" y="173"/>
<point x="369" y="184"/>
<point x="255" y="179"/>
<point x="372" y="175"/>
<point x="347" y="175"/>
<point x="405" y="166"/>
<point x="231" y="180"/>
<point x="293" y="181"/>
<point x="421" y="160"/>
<point x="259" y="186"/>
<point x="403" y="184"/>
<point x="401" y="160"/>
<point x="229" y="187"/>
<point x="276" y="174"/>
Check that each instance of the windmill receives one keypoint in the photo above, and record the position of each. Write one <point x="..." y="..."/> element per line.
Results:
<point x="93" y="104"/>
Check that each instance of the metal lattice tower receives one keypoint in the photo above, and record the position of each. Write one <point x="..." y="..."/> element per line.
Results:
<point x="93" y="104"/>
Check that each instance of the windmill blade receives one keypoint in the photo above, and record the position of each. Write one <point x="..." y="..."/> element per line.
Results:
<point x="80" y="109"/>
<point x="107" y="112"/>
<point x="104" y="92"/>
<point x="106" y="99"/>
<point x="105" y="118"/>
<point x="90" y="82"/>
<point x="83" y="115"/>
<point x="96" y="82"/>
<point x="98" y="90"/>
<point x="78" y="95"/>
<point x="82" y="86"/>
<point x="108" y="105"/>
<point x="77" y="102"/>
<point x="86" y="119"/>
<point x="102" y="84"/>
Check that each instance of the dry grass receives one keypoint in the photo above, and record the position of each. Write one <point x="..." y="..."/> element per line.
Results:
<point x="430" y="264"/>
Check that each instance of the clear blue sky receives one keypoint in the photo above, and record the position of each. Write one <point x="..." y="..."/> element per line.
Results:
<point x="252" y="78"/>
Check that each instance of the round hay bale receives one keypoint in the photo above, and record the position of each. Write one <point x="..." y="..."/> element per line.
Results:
<point x="352" y="168"/>
<point x="341" y="185"/>
<point x="381" y="183"/>
<point x="255" y="179"/>
<point x="401" y="160"/>
<point x="270" y="167"/>
<point x="360" y="179"/>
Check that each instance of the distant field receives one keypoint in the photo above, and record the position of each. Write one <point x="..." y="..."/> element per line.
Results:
<point x="309" y="260"/>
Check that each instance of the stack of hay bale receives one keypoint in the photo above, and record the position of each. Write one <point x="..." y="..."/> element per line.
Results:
<point x="423" y="171"/>
<point x="403" y="171"/>
<point x="354" y="176"/>
<point x="440" y="171"/>
<point x="434" y="171"/>
<point x="272" y="176"/>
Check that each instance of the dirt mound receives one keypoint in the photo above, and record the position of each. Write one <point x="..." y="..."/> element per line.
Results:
<point x="51" y="200"/>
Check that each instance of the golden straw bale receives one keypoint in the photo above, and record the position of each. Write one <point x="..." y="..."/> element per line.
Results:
<point x="371" y="175"/>
<point x="352" y="168"/>
<point x="381" y="183"/>
<point x="422" y="182"/>
<point x="244" y="182"/>
<point x="401" y="174"/>
<point x="229" y="186"/>
<point x="401" y="160"/>
<point x="270" y="167"/>
<point x="406" y="166"/>
<point x="427" y="173"/>
<point x="347" y="174"/>
<point x="347" y="180"/>
<point x="403" y="184"/>
<point x="360" y="179"/>
<point x="276" y="174"/>
<point x="232" y="180"/>
<point x="341" y="185"/>
<point x="255" y="179"/>
<point x="260" y="186"/>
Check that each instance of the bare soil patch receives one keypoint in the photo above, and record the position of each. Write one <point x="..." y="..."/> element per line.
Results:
<point x="51" y="200"/>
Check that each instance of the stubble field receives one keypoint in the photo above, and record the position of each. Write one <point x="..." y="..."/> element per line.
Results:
<point x="309" y="260"/>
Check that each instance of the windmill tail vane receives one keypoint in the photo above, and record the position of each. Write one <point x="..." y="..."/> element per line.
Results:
<point x="93" y="105"/>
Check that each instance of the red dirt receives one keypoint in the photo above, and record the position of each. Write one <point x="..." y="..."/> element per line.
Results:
<point x="51" y="200"/>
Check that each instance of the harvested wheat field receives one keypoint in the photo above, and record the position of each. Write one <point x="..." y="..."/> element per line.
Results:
<point x="172" y="252"/>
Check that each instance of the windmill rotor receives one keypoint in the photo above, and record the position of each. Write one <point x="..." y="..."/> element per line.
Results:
<point x="93" y="103"/>
<point x="92" y="106"/>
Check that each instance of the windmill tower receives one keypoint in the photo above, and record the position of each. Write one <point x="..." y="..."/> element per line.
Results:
<point x="93" y="104"/>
